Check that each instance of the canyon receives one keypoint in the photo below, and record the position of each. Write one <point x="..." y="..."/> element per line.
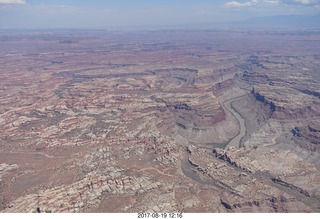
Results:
<point x="160" y="121"/>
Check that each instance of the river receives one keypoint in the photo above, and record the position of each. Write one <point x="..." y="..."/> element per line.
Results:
<point x="235" y="142"/>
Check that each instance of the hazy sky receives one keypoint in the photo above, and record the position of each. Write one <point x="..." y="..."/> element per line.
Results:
<point x="121" y="13"/>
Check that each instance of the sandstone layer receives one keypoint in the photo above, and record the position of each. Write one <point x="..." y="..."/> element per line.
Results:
<point x="159" y="121"/>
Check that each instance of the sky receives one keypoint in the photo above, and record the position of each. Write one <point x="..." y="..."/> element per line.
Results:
<point x="130" y="13"/>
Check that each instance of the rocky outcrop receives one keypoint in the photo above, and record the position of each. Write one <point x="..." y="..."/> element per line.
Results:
<point x="264" y="100"/>
<point x="255" y="78"/>
<point x="221" y="87"/>
<point x="85" y="193"/>
<point x="223" y="155"/>
<point x="243" y="191"/>
<point x="308" y="137"/>
<point x="6" y="168"/>
<point x="273" y="204"/>
<point x="313" y="93"/>
<point x="279" y="99"/>
<point x="293" y="187"/>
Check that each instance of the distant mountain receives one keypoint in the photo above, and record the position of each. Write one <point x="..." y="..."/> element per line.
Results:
<point x="289" y="21"/>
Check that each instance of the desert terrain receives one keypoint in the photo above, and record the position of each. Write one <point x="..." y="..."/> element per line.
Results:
<point x="160" y="121"/>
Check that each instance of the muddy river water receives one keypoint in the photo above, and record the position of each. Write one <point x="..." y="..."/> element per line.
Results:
<point x="235" y="142"/>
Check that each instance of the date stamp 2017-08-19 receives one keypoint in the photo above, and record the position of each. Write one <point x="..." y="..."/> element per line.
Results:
<point x="160" y="215"/>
